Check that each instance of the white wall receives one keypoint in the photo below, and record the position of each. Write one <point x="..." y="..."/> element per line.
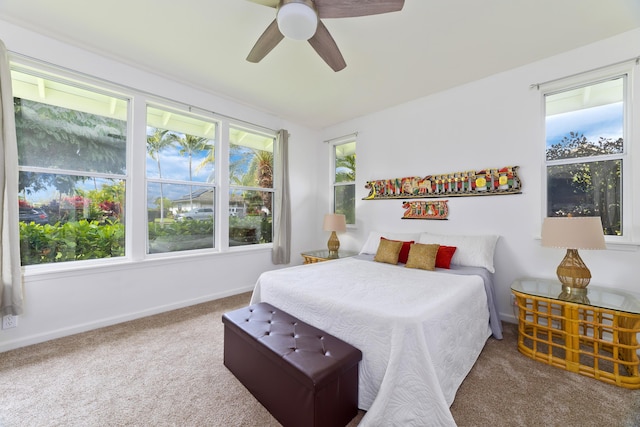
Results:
<point x="75" y="300"/>
<point x="493" y="122"/>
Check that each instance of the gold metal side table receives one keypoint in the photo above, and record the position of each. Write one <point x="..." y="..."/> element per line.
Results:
<point x="594" y="335"/>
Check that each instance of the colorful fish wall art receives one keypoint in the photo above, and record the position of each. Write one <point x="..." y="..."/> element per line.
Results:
<point x="437" y="209"/>
<point x="485" y="182"/>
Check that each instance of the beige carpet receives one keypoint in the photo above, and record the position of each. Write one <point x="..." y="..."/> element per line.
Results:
<point x="166" y="370"/>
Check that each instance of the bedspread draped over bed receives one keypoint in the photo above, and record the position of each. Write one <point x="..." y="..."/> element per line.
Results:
<point x="420" y="332"/>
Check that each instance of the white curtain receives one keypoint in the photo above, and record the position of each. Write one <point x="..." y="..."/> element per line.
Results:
<point x="11" y="297"/>
<point x="281" y="252"/>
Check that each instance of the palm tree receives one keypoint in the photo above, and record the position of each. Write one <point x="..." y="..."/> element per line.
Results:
<point x="252" y="167"/>
<point x="156" y="142"/>
<point x="192" y="144"/>
<point x="346" y="172"/>
<point x="263" y="161"/>
<point x="259" y="173"/>
<point x="209" y="159"/>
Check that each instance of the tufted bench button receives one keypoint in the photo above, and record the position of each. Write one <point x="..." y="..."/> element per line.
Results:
<point x="287" y="365"/>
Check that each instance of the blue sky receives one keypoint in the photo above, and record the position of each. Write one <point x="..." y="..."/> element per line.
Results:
<point x="605" y="121"/>
<point x="176" y="166"/>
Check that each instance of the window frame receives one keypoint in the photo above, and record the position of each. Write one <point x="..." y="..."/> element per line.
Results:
<point x="214" y="186"/>
<point x="629" y="207"/>
<point x="334" y="143"/>
<point x="233" y="187"/>
<point x="100" y="87"/>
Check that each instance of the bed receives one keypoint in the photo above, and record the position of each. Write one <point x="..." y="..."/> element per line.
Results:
<point x="420" y="331"/>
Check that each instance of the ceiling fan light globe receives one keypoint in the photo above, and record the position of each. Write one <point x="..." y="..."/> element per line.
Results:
<point x="297" y="21"/>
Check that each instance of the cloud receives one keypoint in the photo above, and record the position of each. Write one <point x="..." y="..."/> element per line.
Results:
<point x="604" y="121"/>
<point x="176" y="166"/>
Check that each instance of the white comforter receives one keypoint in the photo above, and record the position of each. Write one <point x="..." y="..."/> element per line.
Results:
<point x="420" y="332"/>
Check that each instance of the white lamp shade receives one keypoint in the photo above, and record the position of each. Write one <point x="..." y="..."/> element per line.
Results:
<point x="335" y="222"/>
<point x="297" y="21"/>
<point x="573" y="233"/>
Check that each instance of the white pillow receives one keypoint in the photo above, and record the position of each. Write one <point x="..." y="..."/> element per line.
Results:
<point x="472" y="251"/>
<point x="371" y="245"/>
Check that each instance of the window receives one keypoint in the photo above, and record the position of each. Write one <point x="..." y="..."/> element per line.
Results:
<point x="180" y="181"/>
<point x="585" y="151"/>
<point x="72" y="145"/>
<point x="344" y="177"/>
<point x="251" y="187"/>
<point x="78" y="165"/>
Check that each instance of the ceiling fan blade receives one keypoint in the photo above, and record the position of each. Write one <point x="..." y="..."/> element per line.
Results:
<point x="265" y="44"/>
<point x="352" y="8"/>
<point x="270" y="3"/>
<point x="327" y="48"/>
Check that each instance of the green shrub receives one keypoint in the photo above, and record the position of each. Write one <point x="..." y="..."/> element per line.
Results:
<point x="180" y="235"/>
<point x="71" y="241"/>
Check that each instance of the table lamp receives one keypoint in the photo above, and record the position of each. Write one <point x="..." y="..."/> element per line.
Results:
<point x="573" y="233"/>
<point x="334" y="223"/>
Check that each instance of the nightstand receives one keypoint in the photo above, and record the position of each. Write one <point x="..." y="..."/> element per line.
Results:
<point x="311" y="257"/>
<point x="594" y="335"/>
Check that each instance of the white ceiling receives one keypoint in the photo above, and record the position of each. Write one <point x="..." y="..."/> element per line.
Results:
<point x="429" y="46"/>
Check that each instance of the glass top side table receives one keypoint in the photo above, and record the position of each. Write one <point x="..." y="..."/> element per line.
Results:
<point x="320" y="255"/>
<point x="596" y="296"/>
<point x="593" y="334"/>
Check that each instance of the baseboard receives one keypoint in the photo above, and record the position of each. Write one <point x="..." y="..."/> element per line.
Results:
<point x="101" y="323"/>
<point x="508" y="317"/>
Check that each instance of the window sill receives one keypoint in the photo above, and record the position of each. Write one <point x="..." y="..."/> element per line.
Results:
<point x="623" y="246"/>
<point x="90" y="267"/>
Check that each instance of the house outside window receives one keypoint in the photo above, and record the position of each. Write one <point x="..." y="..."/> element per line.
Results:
<point x="181" y="183"/>
<point x="344" y="178"/>
<point x="586" y="150"/>
<point x="251" y="190"/>
<point x="72" y="151"/>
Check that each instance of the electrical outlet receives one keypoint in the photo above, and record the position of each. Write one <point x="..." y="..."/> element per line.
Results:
<point x="9" y="321"/>
<point x="514" y="305"/>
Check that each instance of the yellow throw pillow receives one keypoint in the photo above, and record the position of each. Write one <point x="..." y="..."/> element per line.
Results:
<point x="422" y="256"/>
<point x="388" y="251"/>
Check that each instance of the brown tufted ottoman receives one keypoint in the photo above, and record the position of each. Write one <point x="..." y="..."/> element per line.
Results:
<point x="302" y="375"/>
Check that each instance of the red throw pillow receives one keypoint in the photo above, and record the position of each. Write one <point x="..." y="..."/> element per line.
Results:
<point x="404" y="252"/>
<point x="443" y="258"/>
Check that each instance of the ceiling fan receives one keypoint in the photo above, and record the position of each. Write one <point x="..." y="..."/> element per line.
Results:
<point x="300" y="20"/>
